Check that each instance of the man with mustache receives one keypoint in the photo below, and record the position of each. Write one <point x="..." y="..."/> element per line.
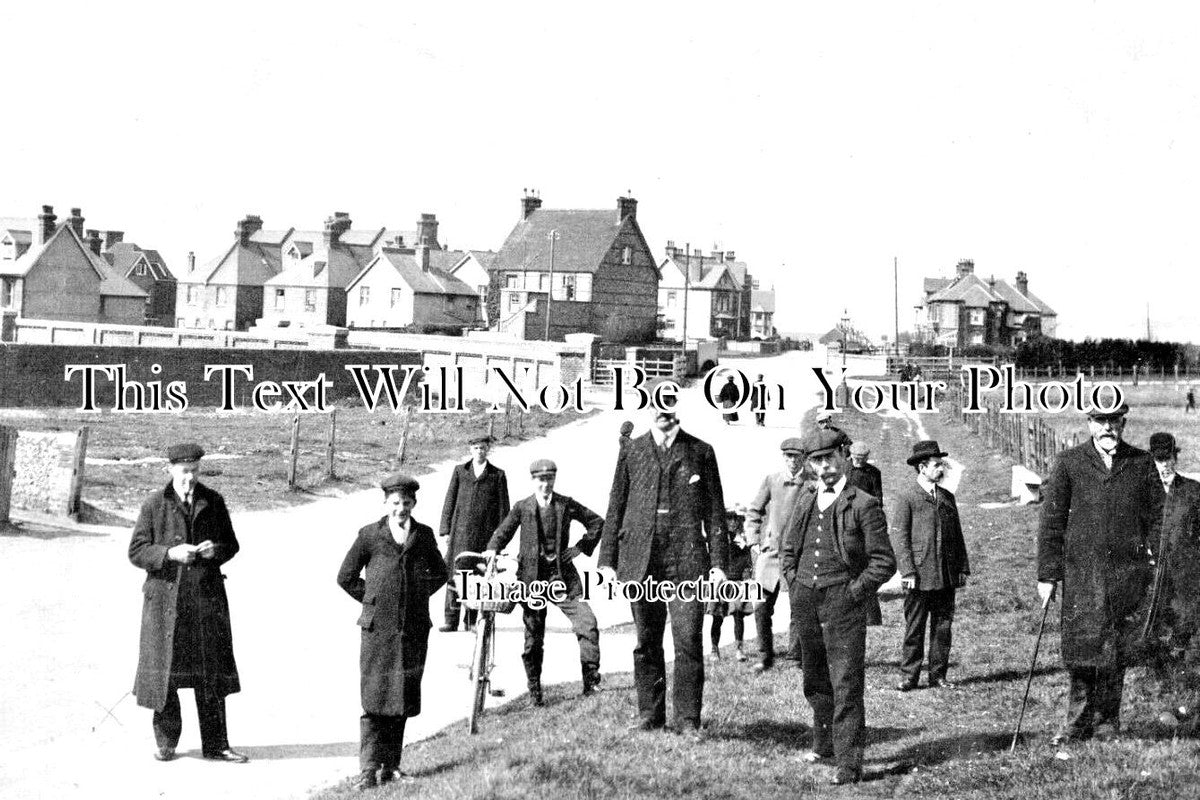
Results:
<point x="1099" y="520"/>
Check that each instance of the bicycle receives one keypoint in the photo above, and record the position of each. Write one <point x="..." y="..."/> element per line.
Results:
<point x="483" y="658"/>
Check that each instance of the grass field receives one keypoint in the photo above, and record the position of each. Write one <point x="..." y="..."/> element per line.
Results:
<point x="928" y="743"/>
<point x="250" y="450"/>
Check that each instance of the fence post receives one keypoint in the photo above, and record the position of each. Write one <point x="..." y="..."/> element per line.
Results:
<point x="78" y="459"/>
<point x="8" y="460"/>
<point x="295" y="451"/>
<point x="507" y="416"/>
<point x="405" y="419"/>
<point x="329" y="471"/>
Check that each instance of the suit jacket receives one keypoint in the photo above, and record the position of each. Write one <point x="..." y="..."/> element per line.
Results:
<point x="1096" y="531"/>
<point x="524" y="515"/>
<point x="1173" y="613"/>
<point x="765" y="519"/>
<point x="859" y="533"/>
<point x="927" y="537"/>
<point x="868" y="478"/>
<point x="695" y="526"/>
<point x="473" y="508"/>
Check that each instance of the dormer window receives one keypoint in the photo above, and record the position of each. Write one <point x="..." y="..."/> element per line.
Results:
<point x="8" y="249"/>
<point x="294" y="253"/>
<point x="141" y="269"/>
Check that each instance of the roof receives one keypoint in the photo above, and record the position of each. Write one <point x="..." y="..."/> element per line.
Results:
<point x="332" y="267"/>
<point x="710" y="271"/>
<point x="436" y="281"/>
<point x="762" y="300"/>
<point x="933" y="285"/>
<point x="111" y="284"/>
<point x="243" y="265"/>
<point x="123" y="256"/>
<point x="1046" y="310"/>
<point x="852" y="337"/>
<point x="969" y="289"/>
<point x="1016" y="301"/>
<point x="584" y="239"/>
<point x="487" y="258"/>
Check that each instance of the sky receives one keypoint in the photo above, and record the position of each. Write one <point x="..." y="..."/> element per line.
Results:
<point x="819" y="141"/>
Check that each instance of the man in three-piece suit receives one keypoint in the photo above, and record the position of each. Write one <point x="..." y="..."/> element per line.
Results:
<point x="476" y="501"/>
<point x="931" y="555"/>
<point x="545" y="554"/>
<point x="666" y="521"/>
<point x="835" y="557"/>
<point x="1100" y="518"/>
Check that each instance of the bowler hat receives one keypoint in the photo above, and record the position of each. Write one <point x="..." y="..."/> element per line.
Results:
<point x="1099" y="413"/>
<point x="923" y="450"/>
<point x="1162" y="446"/>
<point x="399" y="482"/>
<point x="792" y="446"/>
<point x="184" y="452"/>
<point x="819" y="443"/>
<point x="543" y="466"/>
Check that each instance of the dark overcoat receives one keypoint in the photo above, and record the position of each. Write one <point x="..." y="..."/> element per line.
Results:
<point x="162" y="524"/>
<point x="868" y="478"/>
<point x="524" y="515"/>
<point x="473" y="509"/>
<point x="860" y="536"/>
<point x="1096" y="531"/>
<point x="691" y="494"/>
<point x="927" y="537"/>
<point x="395" y="612"/>
<point x="1173" y="614"/>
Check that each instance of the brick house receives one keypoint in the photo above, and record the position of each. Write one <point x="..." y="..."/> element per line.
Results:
<point x="475" y="270"/>
<point x="604" y="278"/>
<point x="49" y="271"/>
<point x="144" y="268"/>
<point x="411" y="288"/>
<point x="719" y="295"/>
<point x="968" y="310"/>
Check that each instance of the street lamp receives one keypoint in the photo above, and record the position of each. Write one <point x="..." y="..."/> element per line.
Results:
<point x="553" y="236"/>
<point x="845" y="333"/>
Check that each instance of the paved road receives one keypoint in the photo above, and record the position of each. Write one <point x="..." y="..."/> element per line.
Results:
<point x="72" y="606"/>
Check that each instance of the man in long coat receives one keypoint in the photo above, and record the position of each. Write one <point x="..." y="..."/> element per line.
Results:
<point x="666" y="521"/>
<point x="476" y="502"/>
<point x="545" y="554"/>
<point x="835" y="557"/>
<point x="392" y="568"/>
<point x="1099" y="521"/>
<point x="182" y="537"/>
<point x="931" y="555"/>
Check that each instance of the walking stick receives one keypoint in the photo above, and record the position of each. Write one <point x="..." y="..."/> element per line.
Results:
<point x="1032" y="666"/>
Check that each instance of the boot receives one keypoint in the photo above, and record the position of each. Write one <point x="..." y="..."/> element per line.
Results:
<point x="535" y="694"/>
<point x="591" y="679"/>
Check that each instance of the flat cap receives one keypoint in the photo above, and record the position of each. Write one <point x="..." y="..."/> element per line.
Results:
<point x="824" y="414"/>
<point x="1099" y="413"/>
<point x="543" y="466"/>
<point x="184" y="452"/>
<point x="1162" y="446"/>
<point x="399" y="482"/>
<point x="819" y="443"/>
<point x="482" y="438"/>
<point x="860" y="449"/>
<point x="792" y="446"/>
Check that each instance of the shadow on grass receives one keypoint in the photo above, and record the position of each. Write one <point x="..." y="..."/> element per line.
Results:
<point x="938" y="751"/>
<point x="1009" y="675"/>
<point x="37" y="530"/>
<point x="276" y="752"/>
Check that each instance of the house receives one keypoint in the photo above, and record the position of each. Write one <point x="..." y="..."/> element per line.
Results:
<point x="411" y="288"/>
<point x="968" y="310"/>
<point x="588" y="271"/>
<point x="475" y="270"/>
<point x="49" y="271"/>
<point x="144" y="268"/>
<point x="716" y="289"/>
<point x="762" y="313"/>
<point x="844" y="335"/>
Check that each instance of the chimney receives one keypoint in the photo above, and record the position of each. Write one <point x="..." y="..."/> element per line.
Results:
<point x="718" y="255"/>
<point x="94" y="241"/>
<point x="191" y="261"/>
<point x="335" y="226"/>
<point x="113" y="237"/>
<point x="76" y="221"/>
<point x="729" y="256"/>
<point x="529" y="204"/>
<point x="427" y="227"/>
<point x="627" y="207"/>
<point x="46" y="227"/>
<point x="697" y="253"/>
<point x="247" y="227"/>
<point x="1022" y="283"/>
<point x="965" y="267"/>
<point x="992" y="282"/>
<point x="422" y="254"/>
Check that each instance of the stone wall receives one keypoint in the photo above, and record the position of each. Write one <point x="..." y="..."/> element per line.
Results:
<point x="49" y="471"/>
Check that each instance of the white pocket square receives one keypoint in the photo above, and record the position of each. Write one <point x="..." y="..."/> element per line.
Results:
<point x="694" y="479"/>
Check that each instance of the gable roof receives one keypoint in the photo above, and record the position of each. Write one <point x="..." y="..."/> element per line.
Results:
<point x="710" y="271"/>
<point x="762" y="300"/>
<point x="111" y="284"/>
<point x="403" y="262"/>
<point x="124" y="256"/>
<point x="1046" y="310"/>
<point x="1016" y="301"/>
<point x="969" y="289"/>
<point x="934" y="285"/>
<point x="584" y="238"/>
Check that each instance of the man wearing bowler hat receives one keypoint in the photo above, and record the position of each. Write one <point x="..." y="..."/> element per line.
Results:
<point x="476" y="501"/>
<point x="392" y="569"/>
<point x="1099" y="521"/>
<point x="765" y="518"/>
<point x="932" y="558"/>
<point x="182" y="537"/>
<point x="666" y="521"/>
<point x="545" y="555"/>
<point x="835" y="557"/>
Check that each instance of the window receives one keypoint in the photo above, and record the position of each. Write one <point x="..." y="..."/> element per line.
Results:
<point x="395" y="297"/>
<point x="670" y="299"/>
<point x="626" y="255"/>
<point x="977" y="316"/>
<point x="310" y="299"/>
<point x="8" y="249"/>
<point x="450" y="302"/>
<point x="141" y="269"/>
<point x="280" y="299"/>
<point x="228" y="324"/>
<point x="977" y="338"/>
<point x="7" y="290"/>
<point x="364" y="295"/>
<point x="568" y="287"/>
<point x="196" y="322"/>
<point x="512" y="280"/>
<point x="191" y="297"/>
<point x="543" y="281"/>
<point x="221" y="292"/>
<point x="180" y="322"/>
<point x="514" y="301"/>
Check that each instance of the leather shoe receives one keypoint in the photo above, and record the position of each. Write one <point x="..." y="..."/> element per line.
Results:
<point x="845" y="775"/>
<point x="228" y="754"/>
<point x="365" y="781"/>
<point x="164" y="754"/>
<point x="645" y="725"/>
<point x="907" y="685"/>
<point x="942" y="683"/>
<point x="690" y="731"/>
<point x="394" y="775"/>
<point x="815" y="757"/>
<point x="1064" y="738"/>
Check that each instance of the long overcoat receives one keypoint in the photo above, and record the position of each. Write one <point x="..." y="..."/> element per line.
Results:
<point x="691" y="498"/>
<point x="1096" y="533"/>
<point x="524" y="515"/>
<point x="162" y="524"/>
<point x="927" y="537"/>
<point x="1173" y="614"/>
<point x="473" y="509"/>
<point x="395" y="612"/>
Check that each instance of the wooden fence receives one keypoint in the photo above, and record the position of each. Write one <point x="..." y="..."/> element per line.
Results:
<point x="656" y="368"/>
<point x="1026" y="438"/>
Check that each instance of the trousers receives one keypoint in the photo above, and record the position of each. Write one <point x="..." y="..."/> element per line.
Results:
<point x="934" y="608"/>
<point x="168" y="723"/>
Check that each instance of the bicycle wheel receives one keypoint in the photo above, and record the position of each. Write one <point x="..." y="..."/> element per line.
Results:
<point x="480" y="670"/>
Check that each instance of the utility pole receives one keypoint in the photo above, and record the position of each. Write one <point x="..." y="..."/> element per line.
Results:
<point x="550" y="288"/>
<point x="896" y="295"/>
<point x="687" y="282"/>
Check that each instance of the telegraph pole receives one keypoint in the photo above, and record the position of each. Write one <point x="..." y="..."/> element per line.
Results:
<point x="896" y="295"/>
<point x="687" y="282"/>
<point x="550" y="288"/>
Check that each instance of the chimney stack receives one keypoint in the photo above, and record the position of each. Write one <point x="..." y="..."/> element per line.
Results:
<point x="529" y="204"/>
<point x="191" y="261"/>
<point x="76" y="222"/>
<point x="46" y="226"/>
<point x="965" y="267"/>
<point x="247" y="227"/>
<point x="729" y="256"/>
<point x="427" y="229"/>
<point x="94" y="241"/>
<point x="627" y="207"/>
<point x="422" y="253"/>
<point x="113" y="237"/>
<point x="1022" y="283"/>
<point x="335" y="226"/>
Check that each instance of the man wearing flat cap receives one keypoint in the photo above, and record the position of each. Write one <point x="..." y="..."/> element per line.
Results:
<point x="476" y="501"/>
<point x="862" y="473"/>
<point x="765" y="518"/>
<point x="824" y="420"/>
<point x="545" y="555"/>
<point x="666" y="521"/>
<point x="931" y="555"/>
<point x="182" y="537"/>
<point x="1099" y="521"/>
<point x="835" y="557"/>
<point x="392" y="569"/>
